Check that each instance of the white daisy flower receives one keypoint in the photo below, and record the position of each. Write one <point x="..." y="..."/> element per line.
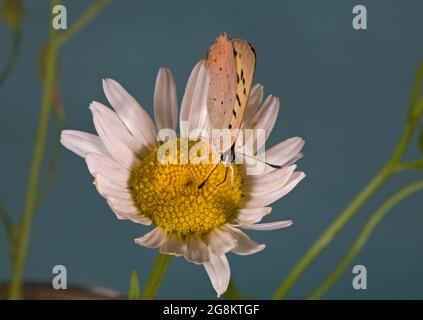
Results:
<point x="200" y="224"/>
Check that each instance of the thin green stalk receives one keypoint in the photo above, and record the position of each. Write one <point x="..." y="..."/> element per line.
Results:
<point x="325" y="239"/>
<point x="55" y="157"/>
<point x="4" y="218"/>
<point x="417" y="89"/>
<point x="415" y="111"/>
<point x="411" y="165"/>
<point x="21" y="231"/>
<point x="232" y="293"/>
<point x="83" y="20"/>
<point x="156" y="277"/>
<point x="61" y="38"/>
<point x="361" y="240"/>
<point x="36" y="163"/>
<point x="13" y="57"/>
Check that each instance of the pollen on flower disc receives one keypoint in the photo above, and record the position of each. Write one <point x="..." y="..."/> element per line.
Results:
<point x="168" y="193"/>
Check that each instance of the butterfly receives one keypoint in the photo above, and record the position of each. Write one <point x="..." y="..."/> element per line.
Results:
<point x="230" y="65"/>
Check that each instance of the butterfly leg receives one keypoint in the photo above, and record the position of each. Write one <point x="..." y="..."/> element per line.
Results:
<point x="211" y="172"/>
<point x="224" y="179"/>
<point x="232" y="174"/>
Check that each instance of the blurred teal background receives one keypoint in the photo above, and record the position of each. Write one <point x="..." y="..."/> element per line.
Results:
<point x="345" y="91"/>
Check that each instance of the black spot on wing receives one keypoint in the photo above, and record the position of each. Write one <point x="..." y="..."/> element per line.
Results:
<point x="237" y="99"/>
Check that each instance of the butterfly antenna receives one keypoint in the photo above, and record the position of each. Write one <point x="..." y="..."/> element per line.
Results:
<point x="275" y="166"/>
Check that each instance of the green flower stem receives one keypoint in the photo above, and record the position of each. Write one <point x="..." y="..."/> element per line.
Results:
<point x="361" y="240"/>
<point x="232" y="293"/>
<point x="416" y="92"/>
<point x="4" y="218"/>
<point x="61" y="38"/>
<point x="328" y="235"/>
<point x="13" y="57"/>
<point x="55" y="157"/>
<point x="156" y="277"/>
<point x="83" y="20"/>
<point x="36" y="164"/>
<point x="21" y="231"/>
<point x="411" y="165"/>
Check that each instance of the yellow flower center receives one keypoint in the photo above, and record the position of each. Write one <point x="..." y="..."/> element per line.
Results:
<point x="169" y="193"/>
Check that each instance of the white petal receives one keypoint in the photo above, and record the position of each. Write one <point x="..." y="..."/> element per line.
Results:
<point x="254" y="102"/>
<point x="135" y="118"/>
<point x="117" y="139"/>
<point x="194" y="103"/>
<point x="107" y="167"/>
<point x="284" y="152"/>
<point x="269" y="226"/>
<point x="122" y="207"/>
<point x="258" y="200"/>
<point x="165" y="101"/>
<point x="187" y="98"/>
<point x="219" y="273"/>
<point x="111" y="188"/>
<point x="246" y="245"/>
<point x="220" y="242"/>
<point x="198" y="117"/>
<point x="248" y="216"/>
<point x="267" y="183"/>
<point x="265" y="119"/>
<point x="153" y="239"/>
<point x="125" y="210"/>
<point x="196" y="251"/>
<point x="82" y="143"/>
<point x="174" y="245"/>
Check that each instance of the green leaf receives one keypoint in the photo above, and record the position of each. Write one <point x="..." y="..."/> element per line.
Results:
<point x="134" y="290"/>
<point x="12" y="13"/>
